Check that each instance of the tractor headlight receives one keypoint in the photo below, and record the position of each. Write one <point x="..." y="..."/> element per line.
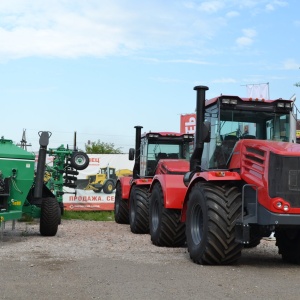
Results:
<point x="229" y="101"/>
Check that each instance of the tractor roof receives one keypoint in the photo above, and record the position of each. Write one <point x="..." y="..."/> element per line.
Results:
<point x="221" y="97"/>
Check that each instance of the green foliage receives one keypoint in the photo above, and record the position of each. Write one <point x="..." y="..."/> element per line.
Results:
<point x="88" y="215"/>
<point x="101" y="148"/>
<point x="297" y="84"/>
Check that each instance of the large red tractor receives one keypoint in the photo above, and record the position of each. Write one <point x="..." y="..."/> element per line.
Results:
<point x="155" y="153"/>
<point x="243" y="184"/>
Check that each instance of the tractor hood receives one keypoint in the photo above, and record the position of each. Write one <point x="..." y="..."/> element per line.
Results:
<point x="173" y="166"/>
<point x="10" y="150"/>
<point x="277" y="147"/>
<point x="247" y="151"/>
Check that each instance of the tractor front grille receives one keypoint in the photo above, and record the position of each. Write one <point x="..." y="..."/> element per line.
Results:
<point x="284" y="178"/>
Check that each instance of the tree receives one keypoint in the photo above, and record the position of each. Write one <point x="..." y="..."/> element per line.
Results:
<point x="101" y="148"/>
<point x="297" y="84"/>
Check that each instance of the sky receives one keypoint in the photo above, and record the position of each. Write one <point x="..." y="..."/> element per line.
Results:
<point x="101" y="67"/>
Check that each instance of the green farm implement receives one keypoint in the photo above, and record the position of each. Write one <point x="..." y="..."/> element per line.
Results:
<point x="23" y="189"/>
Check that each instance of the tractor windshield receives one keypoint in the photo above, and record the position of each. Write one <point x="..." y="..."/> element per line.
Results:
<point x="171" y="151"/>
<point x="229" y="126"/>
<point x="153" y="151"/>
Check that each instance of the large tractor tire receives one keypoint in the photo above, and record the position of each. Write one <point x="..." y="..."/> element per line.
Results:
<point x="50" y="216"/>
<point x="166" y="229"/>
<point x="210" y="224"/>
<point x="138" y="210"/>
<point x="79" y="160"/>
<point x="288" y="243"/>
<point x="108" y="187"/>
<point x="121" y="210"/>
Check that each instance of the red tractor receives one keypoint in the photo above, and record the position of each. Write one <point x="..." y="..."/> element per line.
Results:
<point x="242" y="186"/>
<point x="164" y="153"/>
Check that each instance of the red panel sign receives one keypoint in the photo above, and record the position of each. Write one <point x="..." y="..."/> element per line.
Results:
<point x="188" y="123"/>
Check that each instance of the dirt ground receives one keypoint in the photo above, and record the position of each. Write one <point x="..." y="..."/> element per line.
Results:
<point x="104" y="260"/>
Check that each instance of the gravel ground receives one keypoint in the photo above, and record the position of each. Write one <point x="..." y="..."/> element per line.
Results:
<point x="104" y="260"/>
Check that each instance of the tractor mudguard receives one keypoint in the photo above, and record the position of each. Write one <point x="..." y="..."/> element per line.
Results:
<point x="213" y="175"/>
<point x="173" y="189"/>
<point x="125" y="183"/>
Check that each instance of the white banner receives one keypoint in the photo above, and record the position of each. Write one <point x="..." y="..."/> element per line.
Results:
<point x="91" y="193"/>
<point x="260" y="91"/>
<point x="88" y="195"/>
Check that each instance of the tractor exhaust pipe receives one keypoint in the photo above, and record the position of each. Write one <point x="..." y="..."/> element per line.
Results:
<point x="138" y="135"/>
<point x="39" y="178"/>
<point x="75" y="141"/>
<point x="195" y="160"/>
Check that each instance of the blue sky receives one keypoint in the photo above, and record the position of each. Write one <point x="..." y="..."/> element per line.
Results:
<point x="100" y="67"/>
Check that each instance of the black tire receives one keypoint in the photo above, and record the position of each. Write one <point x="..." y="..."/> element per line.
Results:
<point x="166" y="229"/>
<point x="288" y="243"/>
<point x="108" y="187"/>
<point x="79" y="160"/>
<point x="210" y="224"/>
<point x="50" y="216"/>
<point x="97" y="190"/>
<point x="255" y="237"/>
<point x="121" y="210"/>
<point x="138" y="210"/>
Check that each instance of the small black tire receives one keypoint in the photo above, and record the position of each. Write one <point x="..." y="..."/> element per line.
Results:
<point x="212" y="212"/>
<point x="50" y="216"/>
<point x="121" y="210"/>
<point x="108" y="187"/>
<point x="79" y="160"/>
<point x="166" y="228"/>
<point x="138" y="210"/>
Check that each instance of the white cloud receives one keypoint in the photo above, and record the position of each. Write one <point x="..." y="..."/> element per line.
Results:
<point x="232" y="14"/>
<point x="211" y="6"/>
<point x="247" y="38"/>
<point x="291" y="64"/>
<point x="74" y="28"/>
<point x="270" y="7"/>
<point x="274" y="4"/>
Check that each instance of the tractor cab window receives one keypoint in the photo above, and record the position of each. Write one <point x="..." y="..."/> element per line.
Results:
<point x="228" y="126"/>
<point x="278" y="128"/>
<point x="168" y="151"/>
<point x="162" y="150"/>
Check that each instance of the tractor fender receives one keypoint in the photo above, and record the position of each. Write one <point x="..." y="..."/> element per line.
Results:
<point x="173" y="189"/>
<point x="125" y="183"/>
<point x="213" y="175"/>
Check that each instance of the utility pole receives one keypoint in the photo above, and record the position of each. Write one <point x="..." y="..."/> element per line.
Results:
<point x="23" y="144"/>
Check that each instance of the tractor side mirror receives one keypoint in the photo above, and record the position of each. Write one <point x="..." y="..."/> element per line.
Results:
<point x="131" y="154"/>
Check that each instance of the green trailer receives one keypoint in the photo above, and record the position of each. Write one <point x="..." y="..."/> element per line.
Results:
<point x="23" y="190"/>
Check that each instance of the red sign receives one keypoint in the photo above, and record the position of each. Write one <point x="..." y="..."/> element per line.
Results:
<point x="188" y="123"/>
